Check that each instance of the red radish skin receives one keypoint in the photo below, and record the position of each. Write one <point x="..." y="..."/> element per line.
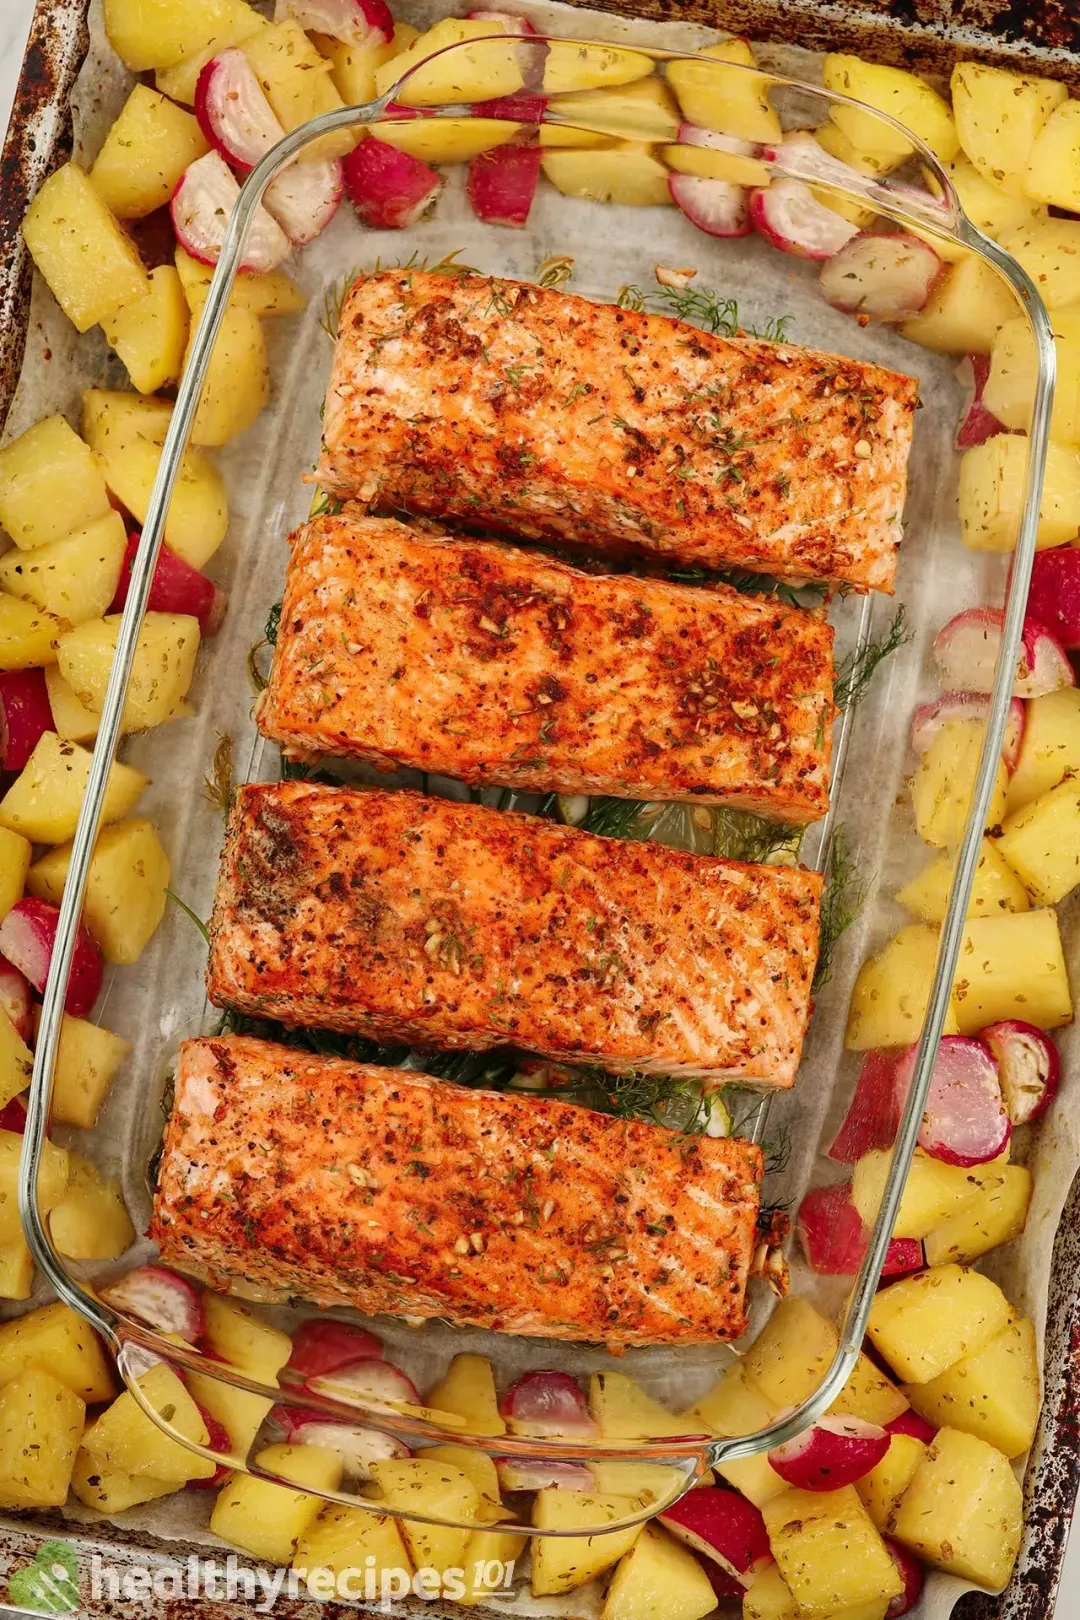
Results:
<point x="834" y="1239"/>
<point x="1054" y="597"/>
<point x="356" y="22"/>
<point x="305" y="197"/>
<point x="911" y="1423"/>
<point x="357" y="1447"/>
<point x="219" y="1440"/>
<point x="723" y="1584"/>
<point x="714" y="206"/>
<point x="162" y="1299"/>
<point x="390" y="190"/>
<point x="543" y="1403"/>
<point x="965" y="1121"/>
<point x="521" y="108"/>
<point x="1029" y="1068"/>
<point x="533" y="1474"/>
<point x="929" y="718"/>
<point x="27" y="937"/>
<point x="323" y="1345"/>
<point x="13" y="1116"/>
<point x="15" y="999"/>
<point x="175" y="588"/>
<point x="724" y="1528"/>
<point x="24" y="701"/>
<point x="788" y="215"/>
<point x="873" y="1118"/>
<point x="886" y="278"/>
<point x="233" y="112"/>
<point x="966" y="653"/>
<point x="369" y="1382"/>
<point x="977" y="424"/>
<point x="913" y="1575"/>
<point x="835" y="1452"/>
<point x="201" y="205"/>
<point x="502" y="184"/>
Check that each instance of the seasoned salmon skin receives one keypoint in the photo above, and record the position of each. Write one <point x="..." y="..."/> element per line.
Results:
<point x="285" y="1174"/>
<point x="546" y="416"/>
<point x="451" y="925"/>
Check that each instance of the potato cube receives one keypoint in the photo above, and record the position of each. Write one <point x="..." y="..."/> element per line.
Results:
<point x="790" y="1357"/>
<point x="999" y="116"/>
<point x="16" y="1060"/>
<point x="965" y="311"/>
<point x="125" y="1440"/>
<point x="468" y="1389"/>
<point x="996" y="1217"/>
<point x="942" y="786"/>
<point x="86" y="1062"/>
<point x="768" y="1597"/>
<point x="111" y="416"/>
<point x="271" y="294"/>
<point x="570" y="66"/>
<point x="16" y="1269"/>
<point x="992" y="490"/>
<point x="162" y="673"/>
<point x="934" y="1191"/>
<point x="869" y="1395"/>
<point x="904" y="95"/>
<point x="732" y="103"/>
<point x="649" y="1482"/>
<point x="447" y="140"/>
<point x="925" y="1323"/>
<point x="658" y="1579"/>
<point x="1050" y="747"/>
<point x="485" y="71"/>
<point x="645" y="110"/>
<point x="414" y="1485"/>
<point x="561" y="1563"/>
<point x="627" y="172"/>
<point x="41" y="1423"/>
<point x="828" y="1551"/>
<point x="52" y="1182"/>
<point x="1053" y="172"/>
<point x="477" y="1467"/>
<point x="88" y="262"/>
<point x="353" y="67"/>
<point x="881" y="1489"/>
<point x="996" y="887"/>
<point x="15" y="853"/>
<point x="70" y="718"/>
<point x="1010" y="387"/>
<point x="43" y="802"/>
<point x="198" y="512"/>
<point x="888" y="1003"/>
<point x="1011" y="966"/>
<point x="55" y="1338"/>
<point x="28" y="635"/>
<point x="110" y="1491"/>
<point x="91" y="1221"/>
<point x="73" y="579"/>
<point x="735" y="1406"/>
<point x="963" y="1511"/>
<point x="144" y="154"/>
<point x="1041" y="843"/>
<point x="237" y="382"/>
<point x="1048" y="250"/>
<point x="994" y="211"/>
<point x="623" y="1411"/>
<point x="344" y="1538"/>
<point x="871" y="163"/>
<point x="156" y="33"/>
<point x="49" y="484"/>
<point x="296" y="81"/>
<point x="265" y="1519"/>
<point x="709" y="163"/>
<point x="240" y="1338"/>
<point x="484" y="1550"/>
<point x="993" y="1393"/>
<point x="178" y="81"/>
<point x="151" y="335"/>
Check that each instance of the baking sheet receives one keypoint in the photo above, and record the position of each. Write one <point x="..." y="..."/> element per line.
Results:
<point x="160" y="999"/>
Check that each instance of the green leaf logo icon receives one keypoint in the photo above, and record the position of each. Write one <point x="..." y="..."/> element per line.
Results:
<point x="50" y="1585"/>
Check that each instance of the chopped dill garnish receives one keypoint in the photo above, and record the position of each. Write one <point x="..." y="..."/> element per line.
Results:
<point x="856" y="671"/>
<point x="841" y="903"/>
<point x="218" y="786"/>
<point x="555" y="271"/>
<point x="273" y="625"/>
<point x="740" y="836"/>
<point x="703" y="307"/>
<point x="186" y="909"/>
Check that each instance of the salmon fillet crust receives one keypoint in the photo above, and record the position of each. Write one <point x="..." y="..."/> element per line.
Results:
<point x="541" y="414"/>
<point x="450" y="925"/>
<point x="285" y="1174"/>
<point x="500" y="666"/>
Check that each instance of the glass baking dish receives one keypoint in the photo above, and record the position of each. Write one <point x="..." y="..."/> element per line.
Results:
<point x="162" y="999"/>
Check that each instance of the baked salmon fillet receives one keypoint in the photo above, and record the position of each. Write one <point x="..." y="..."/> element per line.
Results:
<point x="541" y="414"/>
<point x="287" y="1174"/>
<point x="495" y="665"/>
<point x="450" y="925"/>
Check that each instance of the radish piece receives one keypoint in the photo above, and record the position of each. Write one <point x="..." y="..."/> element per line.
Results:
<point x="357" y="22"/>
<point x="204" y="199"/>
<point x="25" y="713"/>
<point x="160" y="1298"/>
<point x="873" y="1118"/>
<point x="233" y="112"/>
<point x="304" y="198"/>
<point x="834" y="1239"/>
<point x="802" y="155"/>
<point x="389" y="189"/>
<point x="1029" y="1067"/>
<point x="502" y="184"/>
<point x="521" y="108"/>
<point x="835" y="1452"/>
<point x="13" y="1116"/>
<point x="508" y="21"/>
<point x="218" y="1439"/>
<point x="533" y="1474"/>
<point x="965" y="1121"/>
<point x="27" y="937"/>
<point x="788" y="215"/>
<point x="913" y="1576"/>
<point x="694" y="135"/>
<point x="543" y="1403"/>
<point x="723" y="1584"/>
<point x="977" y="423"/>
<point x="1054" y="597"/>
<point x="15" y="999"/>
<point x="357" y="1447"/>
<point x="725" y="1528"/>
<point x="323" y="1345"/>
<point x="714" y="206"/>
<point x="910" y="1422"/>
<point x="929" y="718"/>
<point x="966" y="652"/>
<point x="175" y="588"/>
<point x="887" y="278"/>
<point x="367" y="1383"/>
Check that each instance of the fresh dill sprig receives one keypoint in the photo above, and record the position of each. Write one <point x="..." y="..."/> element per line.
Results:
<point x="676" y="1102"/>
<point x="774" y="330"/>
<point x="703" y="307"/>
<point x="841" y="903"/>
<point x="335" y="297"/>
<point x="797" y="596"/>
<point x="273" y="625"/>
<point x="324" y="505"/>
<point x="615" y="818"/>
<point x="218" y="786"/>
<point x="255" y="675"/>
<point x="630" y="298"/>
<point x="555" y="271"/>
<point x="295" y="770"/>
<point x="739" y="835"/>
<point x="195" y="918"/>
<point x="857" y="670"/>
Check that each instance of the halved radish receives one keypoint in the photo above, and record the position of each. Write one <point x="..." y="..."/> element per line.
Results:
<point x="175" y="588"/>
<point x="966" y="652"/>
<point x="725" y="1528"/>
<point x="913" y="1575"/>
<point x="389" y="189"/>
<point x="694" y="135"/>
<point x="304" y="198"/>
<point x="787" y="214"/>
<point x="502" y="184"/>
<point x="835" y="1452"/>
<point x="1029" y="1067"/>
<point x="873" y="1118"/>
<point x="534" y="1474"/>
<point x="357" y="22"/>
<point x="15" y="998"/>
<point x="508" y="21"/>
<point x="1054" y="596"/>
<point x="929" y="718"/>
<point x="886" y="278"/>
<point x="219" y="1440"/>
<point x="27" y="937"/>
<point x="977" y="423"/>
<point x="834" y="1238"/>
<point x="543" y="1403"/>
<point x="160" y="1298"/>
<point x="25" y="713"/>
<point x="367" y="1383"/>
<point x="233" y="112"/>
<point x="965" y="1121"/>
<point x="201" y="205"/>
<point x="714" y="206"/>
<point x="13" y="1116"/>
<point x="324" y="1344"/>
<point x="801" y="155"/>
<point x="357" y="1447"/>
<point x="910" y="1422"/>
